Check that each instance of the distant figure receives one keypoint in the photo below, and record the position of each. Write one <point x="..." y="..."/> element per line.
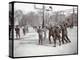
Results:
<point x="27" y="29"/>
<point x="64" y="33"/>
<point x="35" y="28"/>
<point x="17" y="31"/>
<point x="40" y="34"/>
<point x="24" y="31"/>
<point x="10" y="31"/>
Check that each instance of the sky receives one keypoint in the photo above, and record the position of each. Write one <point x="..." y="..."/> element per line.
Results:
<point x="30" y="7"/>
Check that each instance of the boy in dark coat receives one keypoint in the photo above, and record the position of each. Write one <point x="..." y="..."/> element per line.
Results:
<point x="17" y="32"/>
<point x="40" y="34"/>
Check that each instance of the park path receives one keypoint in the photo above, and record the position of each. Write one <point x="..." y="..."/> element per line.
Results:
<point x="28" y="46"/>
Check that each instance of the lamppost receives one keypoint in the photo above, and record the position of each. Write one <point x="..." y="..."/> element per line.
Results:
<point x="43" y="9"/>
<point x="49" y="9"/>
<point x="43" y="16"/>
